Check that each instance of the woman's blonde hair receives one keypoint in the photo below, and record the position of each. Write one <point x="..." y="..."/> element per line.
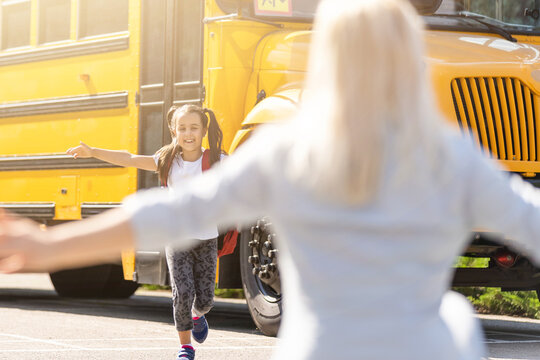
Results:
<point x="366" y="81"/>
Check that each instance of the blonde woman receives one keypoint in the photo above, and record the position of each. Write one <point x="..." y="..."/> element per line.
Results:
<point x="372" y="196"/>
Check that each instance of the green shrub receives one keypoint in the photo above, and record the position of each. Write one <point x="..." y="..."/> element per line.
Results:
<point x="516" y="303"/>
<point x="230" y="293"/>
<point x="471" y="262"/>
<point x="497" y="302"/>
<point x="222" y="293"/>
<point x="155" y="287"/>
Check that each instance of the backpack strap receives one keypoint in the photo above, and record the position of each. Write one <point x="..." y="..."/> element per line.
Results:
<point x="230" y="239"/>
<point x="206" y="160"/>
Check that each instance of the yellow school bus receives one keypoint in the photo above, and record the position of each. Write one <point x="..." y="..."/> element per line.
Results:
<point x="104" y="71"/>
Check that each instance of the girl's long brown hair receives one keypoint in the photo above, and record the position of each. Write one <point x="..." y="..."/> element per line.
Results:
<point x="170" y="151"/>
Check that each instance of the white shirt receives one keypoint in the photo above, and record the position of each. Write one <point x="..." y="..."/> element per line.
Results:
<point x="179" y="172"/>
<point x="365" y="282"/>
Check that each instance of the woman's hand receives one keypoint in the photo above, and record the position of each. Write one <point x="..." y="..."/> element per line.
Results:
<point x="24" y="245"/>
<point x="81" y="151"/>
<point x="27" y="247"/>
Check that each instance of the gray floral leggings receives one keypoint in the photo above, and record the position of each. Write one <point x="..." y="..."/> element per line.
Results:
<point x="193" y="276"/>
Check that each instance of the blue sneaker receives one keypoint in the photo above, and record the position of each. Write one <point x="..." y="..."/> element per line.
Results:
<point x="186" y="353"/>
<point x="200" y="329"/>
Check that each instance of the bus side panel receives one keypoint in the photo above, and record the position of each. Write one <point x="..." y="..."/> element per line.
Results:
<point x="51" y="103"/>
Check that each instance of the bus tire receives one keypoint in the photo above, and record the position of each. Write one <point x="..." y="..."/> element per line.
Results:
<point x="117" y="287"/>
<point x="263" y="296"/>
<point x="101" y="281"/>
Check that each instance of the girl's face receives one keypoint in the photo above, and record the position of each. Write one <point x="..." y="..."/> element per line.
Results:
<point x="189" y="132"/>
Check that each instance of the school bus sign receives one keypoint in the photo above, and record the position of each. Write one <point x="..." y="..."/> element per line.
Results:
<point x="273" y="7"/>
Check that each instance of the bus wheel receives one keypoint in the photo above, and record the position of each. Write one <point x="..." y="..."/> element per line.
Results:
<point x="101" y="281"/>
<point x="117" y="287"/>
<point x="260" y="276"/>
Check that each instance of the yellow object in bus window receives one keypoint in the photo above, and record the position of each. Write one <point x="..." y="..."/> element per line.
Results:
<point x="273" y="7"/>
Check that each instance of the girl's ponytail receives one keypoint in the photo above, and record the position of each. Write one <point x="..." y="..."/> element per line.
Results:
<point x="215" y="136"/>
<point x="170" y="115"/>
<point x="168" y="152"/>
<point x="166" y="156"/>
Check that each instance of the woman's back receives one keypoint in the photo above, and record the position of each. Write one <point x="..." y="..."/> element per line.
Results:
<point x="371" y="276"/>
<point x="360" y="276"/>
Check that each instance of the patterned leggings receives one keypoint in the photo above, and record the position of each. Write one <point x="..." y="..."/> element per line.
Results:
<point x="193" y="276"/>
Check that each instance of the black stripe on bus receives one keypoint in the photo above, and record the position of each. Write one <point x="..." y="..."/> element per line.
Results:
<point x="112" y="100"/>
<point x="66" y="50"/>
<point x="89" y="209"/>
<point x="49" y="162"/>
<point x="33" y="210"/>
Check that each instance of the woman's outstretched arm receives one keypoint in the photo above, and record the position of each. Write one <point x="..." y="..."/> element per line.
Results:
<point x="116" y="157"/>
<point x="505" y="204"/>
<point x="235" y="191"/>
<point x="24" y="246"/>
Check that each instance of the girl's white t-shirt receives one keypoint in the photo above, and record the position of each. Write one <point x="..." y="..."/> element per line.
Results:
<point x="180" y="171"/>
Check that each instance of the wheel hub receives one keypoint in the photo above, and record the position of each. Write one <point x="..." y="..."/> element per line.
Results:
<point x="263" y="258"/>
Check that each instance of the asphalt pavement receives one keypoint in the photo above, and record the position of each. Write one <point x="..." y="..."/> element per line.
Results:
<point x="37" y="324"/>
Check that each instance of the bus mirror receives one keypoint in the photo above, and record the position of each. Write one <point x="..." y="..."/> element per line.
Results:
<point x="426" y="7"/>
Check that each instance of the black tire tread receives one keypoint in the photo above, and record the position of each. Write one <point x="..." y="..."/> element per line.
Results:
<point x="101" y="281"/>
<point x="265" y="314"/>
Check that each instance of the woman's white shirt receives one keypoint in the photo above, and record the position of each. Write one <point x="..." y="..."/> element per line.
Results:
<point x="179" y="172"/>
<point x="364" y="282"/>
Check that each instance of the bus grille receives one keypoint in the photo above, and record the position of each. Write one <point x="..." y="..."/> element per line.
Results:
<point x="501" y="114"/>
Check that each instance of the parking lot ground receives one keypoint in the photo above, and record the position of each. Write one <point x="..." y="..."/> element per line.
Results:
<point x="37" y="324"/>
<point x="511" y="338"/>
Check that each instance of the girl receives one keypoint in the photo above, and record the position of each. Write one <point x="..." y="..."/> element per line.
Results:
<point x="372" y="196"/>
<point x="192" y="271"/>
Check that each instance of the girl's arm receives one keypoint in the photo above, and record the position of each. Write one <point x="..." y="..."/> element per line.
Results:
<point x="116" y="157"/>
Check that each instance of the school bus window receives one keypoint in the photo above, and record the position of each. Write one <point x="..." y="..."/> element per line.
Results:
<point x="15" y="24"/>
<point x="98" y="17"/>
<point x="153" y="42"/>
<point x="510" y="14"/>
<point x="298" y="9"/>
<point x="233" y="6"/>
<point x="189" y="41"/>
<point x="508" y="11"/>
<point x="54" y="20"/>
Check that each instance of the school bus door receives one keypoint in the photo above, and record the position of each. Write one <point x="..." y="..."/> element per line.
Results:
<point x="171" y="69"/>
<point x="171" y="74"/>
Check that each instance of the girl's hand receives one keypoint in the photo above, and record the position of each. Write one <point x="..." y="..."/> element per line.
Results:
<point x="24" y="246"/>
<point x="81" y="151"/>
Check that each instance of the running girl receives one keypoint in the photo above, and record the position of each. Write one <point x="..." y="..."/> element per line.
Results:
<point x="192" y="271"/>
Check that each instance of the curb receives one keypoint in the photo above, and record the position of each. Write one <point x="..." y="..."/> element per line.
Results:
<point x="230" y="306"/>
<point x="222" y="306"/>
<point x="509" y="324"/>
